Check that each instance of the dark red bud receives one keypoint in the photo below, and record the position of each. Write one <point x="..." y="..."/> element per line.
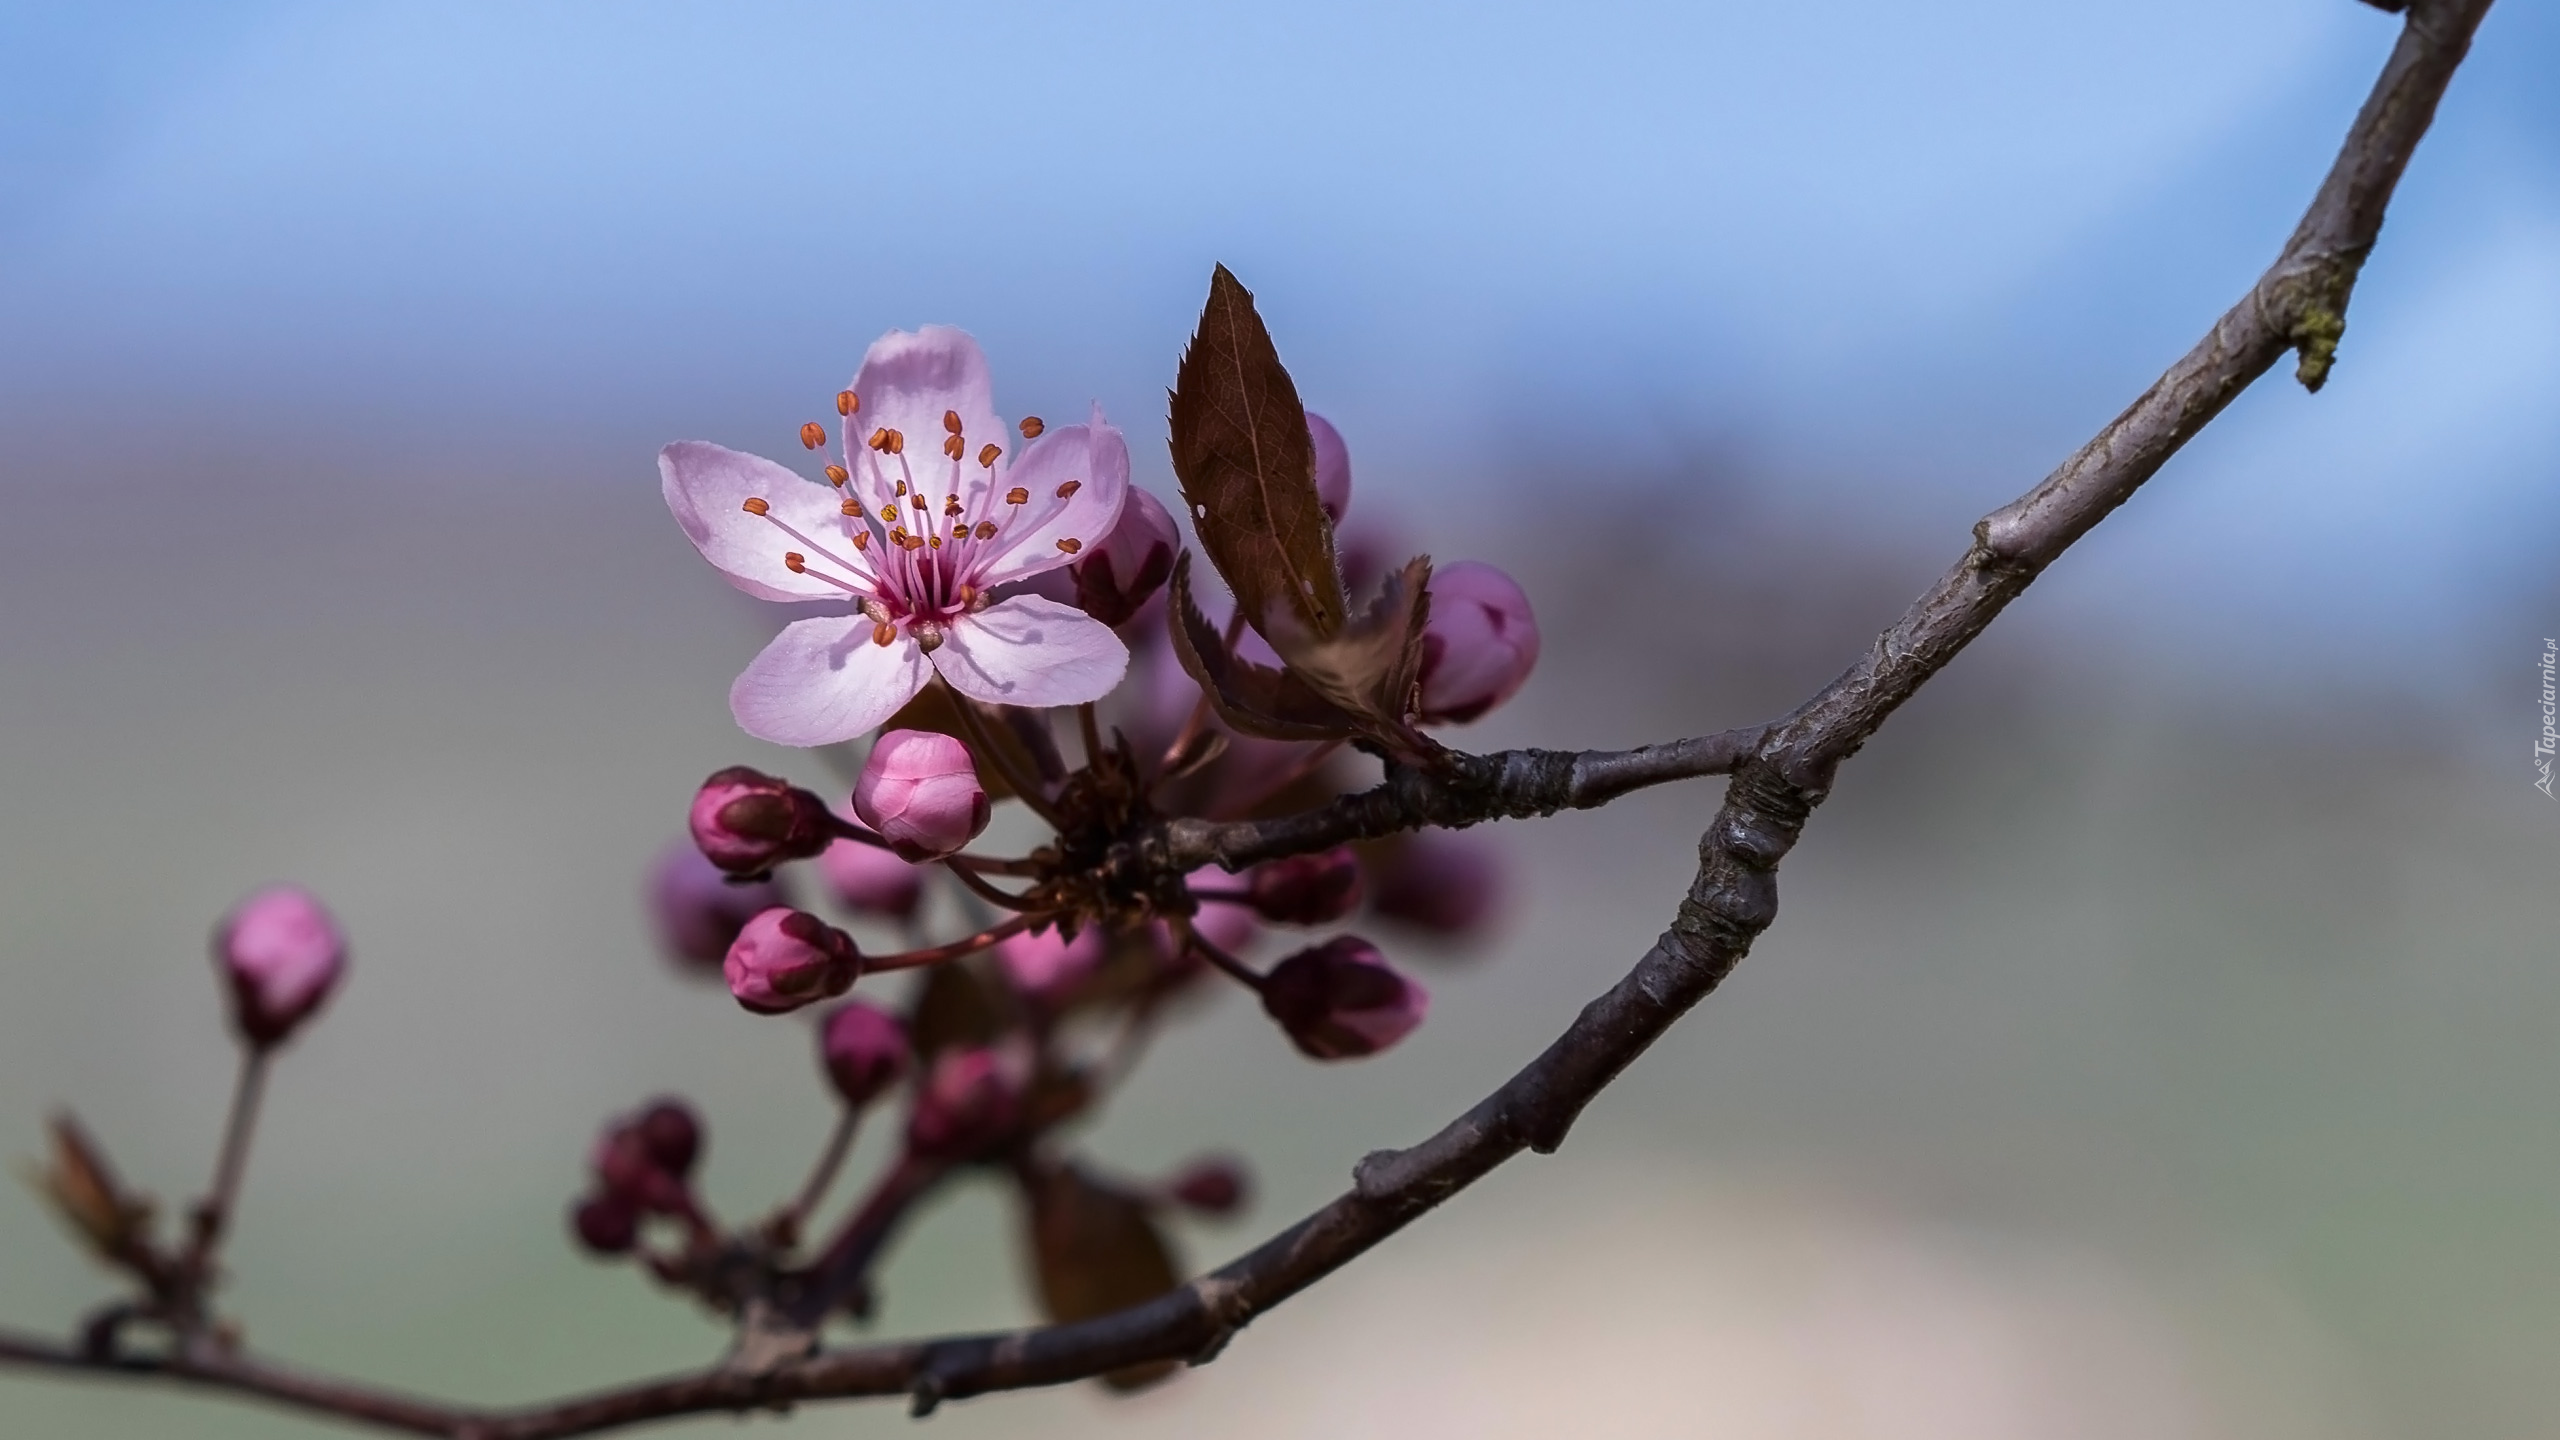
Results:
<point x="1215" y="1186"/>
<point x="1340" y="1000"/>
<point x="1306" y="889"/>
<point x="607" y="1224"/>
<point x="671" y="1136"/>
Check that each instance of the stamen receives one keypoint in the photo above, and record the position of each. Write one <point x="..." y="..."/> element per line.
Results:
<point x="813" y="435"/>
<point x="837" y="475"/>
<point x="861" y="539"/>
<point x="884" y="634"/>
<point x="755" y="505"/>
<point x="968" y="593"/>
<point x="986" y="530"/>
<point x="934" y="540"/>
<point x="902" y="488"/>
<point x="888" y="514"/>
<point x="1031" y="427"/>
<point x="1069" y="488"/>
<point x="1017" y="496"/>
<point x="918" y="501"/>
<point x="851" y="506"/>
<point x="1071" y="544"/>
<point x="987" y="457"/>
<point x="879" y="440"/>
<point x="847" y="402"/>
<point x="876" y="612"/>
<point x="954" y="446"/>
<point x="951" y="421"/>
<point x="928" y="636"/>
<point x="795" y="562"/>
<point x="951" y="507"/>
<point x="897" y="443"/>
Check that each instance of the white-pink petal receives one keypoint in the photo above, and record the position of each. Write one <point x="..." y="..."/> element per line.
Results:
<point x="825" y="680"/>
<point x="707" y="487"/>
<point x="1031" y="651"/>
<point x="1095" y="457"/>
<point x="909" y="381"/>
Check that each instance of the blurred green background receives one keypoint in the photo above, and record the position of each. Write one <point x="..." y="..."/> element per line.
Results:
<point x="2158" y="1034"/>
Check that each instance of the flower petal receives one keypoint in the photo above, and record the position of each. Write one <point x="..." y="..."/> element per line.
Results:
<point x="707" y="487"/>
<point x="1096" y="457"/>
<point x="908" y="382"/>
<point x="1030" y="651"/>
<point x="824" y="680"/>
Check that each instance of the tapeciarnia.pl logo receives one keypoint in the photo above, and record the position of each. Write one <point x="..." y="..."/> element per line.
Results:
<point x="2549" y="740"/>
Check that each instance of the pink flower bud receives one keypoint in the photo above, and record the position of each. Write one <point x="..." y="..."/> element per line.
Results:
<point x="1446" y="884"/>
<point x="1214" y="1186"/>
<point x="630" y="1168"/>
<point x="1046" y="966"/>
<point x="697" y="909"/>
<point x="670" y="1135"/>
<point x="865" y="1051"/>
<point x="870" y="881"/>
<point x="1340" y="1001"/>
<point x="971" y="1099"/>
<point x="282" y="954"/>
<point x="1118" y="576"/>
<point x="1479" y="646"/>
<point x="1306" y="889"/>
<point x="920" y="791"/>
<point x="607" y="1224"/>
<point x="1333" y="467"/>
<point x="785" y="959"/>
<point x="747" y="822"/>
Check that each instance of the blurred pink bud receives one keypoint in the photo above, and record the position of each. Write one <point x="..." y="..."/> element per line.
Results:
<point x="1333" y="467"/>
<point x="670" y="1135"/>
<point x="785" y="959"/>
<point x="1306" y="889"/>
<point x="1216" y="1185"/>
<point x="971" y="1099"/>
<point x="697" y="909"/>
<point x="920" y="791"/>
<point x="871" y="881"/>
<point x="1480" y="644"/>
<point x="607" y="1224"/>
<point x="627" y="1167"/>
<point x="747" y="822"/>
<point x="1340" y="1001"/>
<point x="865" y="1051"/>
<point x="1047" y="965"/>
<point x="1117" y="577"/>
<point x="282" y="954"/>
<point x="1443" y="883"/>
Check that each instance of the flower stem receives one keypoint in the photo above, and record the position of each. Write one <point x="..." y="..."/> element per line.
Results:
<point x="786" y="1226"/>
<point x="1217" y="955"/>
<point x="1092" y="733"/>
<point x="214" y="1211"/>
<point x="843" y="1269"/>
<point x="984" y="891"/>
<point x="936" y="954"/>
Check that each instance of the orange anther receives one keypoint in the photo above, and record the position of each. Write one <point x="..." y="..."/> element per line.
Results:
<point x="897" y="443"/>
<point x="813" y="434"/>
<point x="754" y="505"/>
<point x="1069" y="488"/>
<point x="986" y="530"/>
<point x="883" y="633"/>
<point x="851" y="507"/>
<point x="837" y="475"/>
<point x="888" y="514"/>
<point x="1071" y="544"/>
<point x="861" y="539"/>
<point x="847" y="402"/>
<point x="951" y="421"/>
<point x="1017" y="496"/>
<point x="1031" y="427"/>
<point x="795" y="562"/>
<point x="987" y="456"/>
<point x="954" y="446"/>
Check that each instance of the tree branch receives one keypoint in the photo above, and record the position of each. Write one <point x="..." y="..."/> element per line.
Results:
<point x="1779" y="773"/>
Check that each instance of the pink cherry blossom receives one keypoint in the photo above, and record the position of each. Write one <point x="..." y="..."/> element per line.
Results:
<point x="929" y="512"/>
<point x="1048" y="965"/>
<point x="282" y="954"/>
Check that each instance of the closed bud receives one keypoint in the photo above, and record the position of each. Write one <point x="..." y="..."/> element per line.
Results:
<point x="784" y="959"/>
<point x="1479" y="645"/>
<point x="627" y="1168"/>
<point x="1048" y="966"/>
<point x="281" y="954"/>
<point x="1306" y="889"/>
<point x="1117" y="577"/>
<point x="864" y="1050"/>
<point x="870" y="881"/>
<point x="697" y="910"/>
<point x="1216" y="1185"/>
<point x="670" y="1135"/>
<point x="746" y="822"/>
<point x="1442" y="883"/>
<point x="971" y="1099"/>
<point x="1333" y="467"/>
<point x="607" y="1224"/>
<point x="1340" y="1000"/>
<point x="920" y="790"/>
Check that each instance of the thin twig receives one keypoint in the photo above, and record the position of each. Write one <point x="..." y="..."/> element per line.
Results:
<point x="213" y="1213"/>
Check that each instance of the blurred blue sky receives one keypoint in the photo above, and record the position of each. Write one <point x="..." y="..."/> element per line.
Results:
<point x="1900" y="257"/>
